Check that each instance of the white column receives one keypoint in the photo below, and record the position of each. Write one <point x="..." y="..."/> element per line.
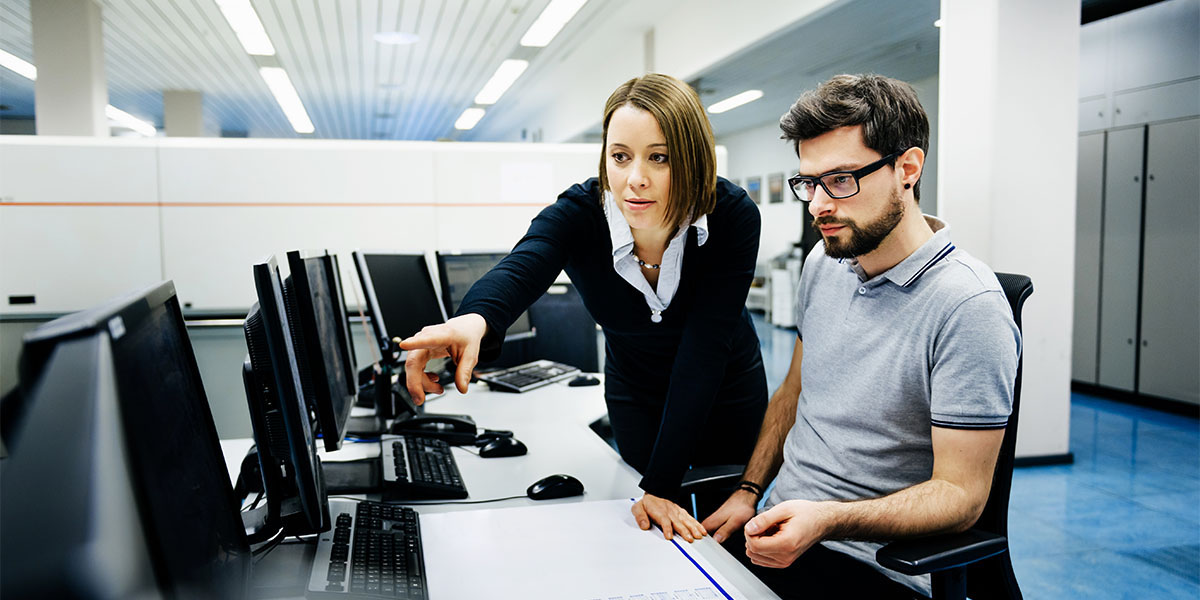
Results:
<point x="183" y="113"/>
<point x="1008" y="111"/>
<point x="68" y="50"/>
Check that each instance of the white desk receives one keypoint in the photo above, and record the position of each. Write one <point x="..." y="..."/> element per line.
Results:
<point x="554" y="423"/>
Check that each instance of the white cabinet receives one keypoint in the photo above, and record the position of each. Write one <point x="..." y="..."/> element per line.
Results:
<point x="1137" y="254"/>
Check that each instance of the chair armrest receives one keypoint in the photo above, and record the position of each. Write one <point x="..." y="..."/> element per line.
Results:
<point x="715" y="477"/>
<point x="919" y="556"/>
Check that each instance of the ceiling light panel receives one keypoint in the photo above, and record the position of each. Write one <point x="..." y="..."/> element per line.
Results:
<point x="735" y="101"/>
<point x="469" y="118"/>
<point x="285" y="95"/>
<point x="17" y="65"/>
<point x="505" y="75"/>
<point x="246" y="24"/>
<point x="550" y="22"/>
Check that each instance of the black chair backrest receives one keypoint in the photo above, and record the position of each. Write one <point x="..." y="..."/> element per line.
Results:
<point x="987" y="578"/>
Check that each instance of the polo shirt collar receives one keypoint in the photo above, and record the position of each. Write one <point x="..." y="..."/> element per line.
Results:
<point x="909" y="270"/>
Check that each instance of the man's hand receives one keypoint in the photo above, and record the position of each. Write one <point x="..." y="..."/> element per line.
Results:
<point x="459" y="338"/>
<point x="667" y="515"/>
<point x="731" y="516"/>
<point x="779" y="536"/>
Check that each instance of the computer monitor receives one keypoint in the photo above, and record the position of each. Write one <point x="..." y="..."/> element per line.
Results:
<point x="283" y="437"/>
<point x="458" y="271"/>
<point x="116" y="485"/>
<point x="404" y="291"/>
<point x="383" y="341"/>
<point x="319" y="327"/>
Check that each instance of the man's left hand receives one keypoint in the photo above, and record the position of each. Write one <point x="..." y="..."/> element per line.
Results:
<point x="777" y="537"/>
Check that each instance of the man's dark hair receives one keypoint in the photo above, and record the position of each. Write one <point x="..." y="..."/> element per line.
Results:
<point x="892" y="117"/>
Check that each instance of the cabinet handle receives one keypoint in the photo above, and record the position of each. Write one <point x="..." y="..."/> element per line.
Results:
<point x="1129" y="341"/>
<point x="1145" y="343"/>
<point x="1137" y="178"/>
<point x="1152" y="177"/>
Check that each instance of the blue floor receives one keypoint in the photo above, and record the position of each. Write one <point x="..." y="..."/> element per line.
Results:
<point x="1123" y="521"/>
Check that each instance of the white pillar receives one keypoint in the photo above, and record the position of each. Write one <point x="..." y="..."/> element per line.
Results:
<point x="1008" y="113"/>
<point x="183" y="113"/>
<point x="71" y="91"/>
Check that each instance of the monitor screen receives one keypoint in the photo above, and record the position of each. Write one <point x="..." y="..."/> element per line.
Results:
<point x="125" y="399"/>
<point x="283" y="437"/>
<point x="378" y="327"/>
<point x="459" y="271"/>
<point x="404" y="289"/>
<point x="318" y="323"/>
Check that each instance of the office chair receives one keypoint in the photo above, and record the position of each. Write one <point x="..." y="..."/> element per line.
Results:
<point x="976" y="562"/>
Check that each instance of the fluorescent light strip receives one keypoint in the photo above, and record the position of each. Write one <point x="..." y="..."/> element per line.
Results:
<point x="249" y="29"/>
<point x="17" y="65"/>
<point x="505" y="75"/>
<point x="735" y="101"/>
<point x="285" y="95"/>
<point x="130" y="121"/>
<point x="469" y="118"/>
<point x="28" y="71"/>
<point x="550" y="22"/>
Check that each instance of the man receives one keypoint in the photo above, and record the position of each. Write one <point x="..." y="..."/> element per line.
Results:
<point x="889" y="421"/>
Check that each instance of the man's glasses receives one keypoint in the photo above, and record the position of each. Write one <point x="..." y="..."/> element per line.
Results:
<point x="838" y="184"/>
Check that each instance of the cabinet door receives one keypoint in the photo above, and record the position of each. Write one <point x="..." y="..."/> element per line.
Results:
<point x="1119" y="258"/>
<point x="1170" y="353"/>
<point x="1090" y="195"/>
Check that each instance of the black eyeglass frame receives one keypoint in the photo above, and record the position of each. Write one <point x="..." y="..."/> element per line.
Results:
<point x="855" y="174"/>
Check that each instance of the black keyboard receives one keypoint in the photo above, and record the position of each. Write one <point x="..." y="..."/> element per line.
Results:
<point x="528" y="376"/>
<point x="416" y="467"/>
<point x="372" y="551"/>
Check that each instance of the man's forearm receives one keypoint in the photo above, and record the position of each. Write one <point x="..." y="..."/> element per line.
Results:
<point x="768" y="451"/>
<point x="934" y="506"/>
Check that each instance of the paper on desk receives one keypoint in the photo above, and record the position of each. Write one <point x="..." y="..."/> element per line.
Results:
<point x="584" y="550"/>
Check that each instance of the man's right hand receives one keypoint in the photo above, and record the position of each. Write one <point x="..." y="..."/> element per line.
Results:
<point x="459" y="338"/>
<point x="732" y="516"/>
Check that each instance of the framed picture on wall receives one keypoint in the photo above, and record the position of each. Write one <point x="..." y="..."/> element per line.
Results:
<point x="753" y="188"/>
<point x="775" y="187"/>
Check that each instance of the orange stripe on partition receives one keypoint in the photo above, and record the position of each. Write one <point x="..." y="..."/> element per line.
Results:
<point x="285" y="204"/>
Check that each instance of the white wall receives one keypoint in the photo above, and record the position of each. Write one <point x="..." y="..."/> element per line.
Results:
<point x="1008" y="110"/>
<point x="82" y="220"/>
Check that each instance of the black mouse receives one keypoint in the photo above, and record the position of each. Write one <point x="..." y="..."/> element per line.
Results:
<point x="583" y="380"/>
<point x="555" y="486"/>
<point x="505" y="446"/>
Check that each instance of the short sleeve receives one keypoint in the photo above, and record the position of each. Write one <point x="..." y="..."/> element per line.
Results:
<point x="975" y="364"/>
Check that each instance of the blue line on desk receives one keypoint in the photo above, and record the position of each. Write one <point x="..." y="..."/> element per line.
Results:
<point x="689" y="557"/>
<point x="714" y="581"/>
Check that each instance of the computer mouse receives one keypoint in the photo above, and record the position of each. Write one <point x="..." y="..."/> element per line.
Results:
<point x="555" y="486"/>
<point x="583" y="380"/>
<point x="505" y="446"/>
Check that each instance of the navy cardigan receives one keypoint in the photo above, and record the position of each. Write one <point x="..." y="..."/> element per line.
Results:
<point x="679" y="364"/>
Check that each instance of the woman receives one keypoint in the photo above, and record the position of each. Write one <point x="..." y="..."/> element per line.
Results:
<point x="662" y="252"/>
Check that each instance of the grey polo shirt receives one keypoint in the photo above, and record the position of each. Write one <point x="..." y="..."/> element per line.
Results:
<point x="929" y="343"/>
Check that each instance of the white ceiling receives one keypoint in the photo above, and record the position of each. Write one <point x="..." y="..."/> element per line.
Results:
<point x="343" y="75"/>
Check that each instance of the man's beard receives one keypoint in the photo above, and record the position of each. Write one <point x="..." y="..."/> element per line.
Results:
<point x="866" y="238"/>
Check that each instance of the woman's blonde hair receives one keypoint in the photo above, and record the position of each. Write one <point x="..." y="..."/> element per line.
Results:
<point x="691" y="152"/>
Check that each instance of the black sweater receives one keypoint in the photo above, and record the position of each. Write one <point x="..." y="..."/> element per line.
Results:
<point x="679" y="364"/>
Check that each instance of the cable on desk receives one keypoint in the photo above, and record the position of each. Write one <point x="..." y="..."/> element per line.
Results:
<point x="262" y="551"/>
<point x="254" y="504"/>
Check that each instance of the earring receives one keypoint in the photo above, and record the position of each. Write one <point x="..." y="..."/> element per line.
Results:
<point x="907" y="185"/>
